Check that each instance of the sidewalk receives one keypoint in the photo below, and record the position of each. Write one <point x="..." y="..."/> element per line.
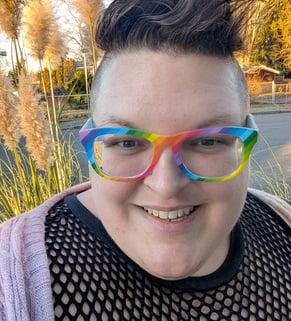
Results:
<point x="270" y="108"/>
<point x="71" y="124"/>
<point x="255" y="110"/>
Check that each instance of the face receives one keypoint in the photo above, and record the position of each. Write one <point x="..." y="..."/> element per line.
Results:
<point x="167" y="94"/>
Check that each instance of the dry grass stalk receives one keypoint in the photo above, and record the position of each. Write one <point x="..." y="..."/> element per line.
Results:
<point x="34" y="124"/>
<point x="42" y="33"/>
<point x="88" y="9"/>
<point x="10" y="16"/>
<point x="55" y="49"/>
<point x="9" y="124"/>
<point x="37" y="18"/>
<point x="44" y="41"/>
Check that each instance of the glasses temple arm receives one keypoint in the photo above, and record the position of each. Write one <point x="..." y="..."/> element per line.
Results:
<point x="251" y="123"/>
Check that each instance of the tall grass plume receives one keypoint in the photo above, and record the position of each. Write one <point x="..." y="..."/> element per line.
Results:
<point x="34" y="124"/>
<point x="47" y="163"/>
<point x="10" y="16"/>
<point x="9" y="123"/>
<point x="37" y="20"/>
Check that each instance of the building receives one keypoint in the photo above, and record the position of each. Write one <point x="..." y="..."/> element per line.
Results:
<point x="260" y="73"/>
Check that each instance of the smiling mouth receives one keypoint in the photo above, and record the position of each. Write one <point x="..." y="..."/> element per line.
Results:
<point x="171" y="215"/>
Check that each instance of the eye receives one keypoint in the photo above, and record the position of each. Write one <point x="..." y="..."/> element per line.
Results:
<point x="127" y="143"/>
<point x="209" y="142"/>
<point x="204" y="142"/>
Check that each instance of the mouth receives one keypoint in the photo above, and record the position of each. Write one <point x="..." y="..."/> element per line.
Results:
<point x="171" y="216"/>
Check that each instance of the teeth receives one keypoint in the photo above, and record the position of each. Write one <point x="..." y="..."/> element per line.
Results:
<point x="155" y="213"/>
<point x="172" y="215"/>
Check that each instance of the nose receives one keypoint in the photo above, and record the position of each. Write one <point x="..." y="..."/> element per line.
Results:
<point x="166" y="179"/>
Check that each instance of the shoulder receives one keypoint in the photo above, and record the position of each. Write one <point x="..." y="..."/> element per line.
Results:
<point x="266" y="225"/>
<point x="15" y="228"/>
<point x="278" y="205"/>
<point x="19" y="238"/>
<point x="28" y="228"/>
<point x="24" y="270"/>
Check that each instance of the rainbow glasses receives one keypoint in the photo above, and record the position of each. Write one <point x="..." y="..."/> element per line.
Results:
<point x="207" y="154"/>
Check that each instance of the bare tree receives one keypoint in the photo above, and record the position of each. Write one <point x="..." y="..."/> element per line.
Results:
<point x="89" y="10"/>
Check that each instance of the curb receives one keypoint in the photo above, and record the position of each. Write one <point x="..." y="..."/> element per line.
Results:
<point x="262" y="112"/>
<point x="79" y="122"/>
<point x="72" y="124"/>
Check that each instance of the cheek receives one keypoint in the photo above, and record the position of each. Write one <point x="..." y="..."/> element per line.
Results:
<point x="230" y="195"/>
<point x="108" y="194"/>
<point x="224" y="206"/>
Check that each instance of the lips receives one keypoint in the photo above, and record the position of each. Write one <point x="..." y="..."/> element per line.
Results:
<point x="171" y="215"/>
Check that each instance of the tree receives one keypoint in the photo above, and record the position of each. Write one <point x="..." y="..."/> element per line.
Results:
<point x="273" y="46"/>
<point x="60" y="76"/>
<point x="77" y="85"/>
<point x="89" y="11"/>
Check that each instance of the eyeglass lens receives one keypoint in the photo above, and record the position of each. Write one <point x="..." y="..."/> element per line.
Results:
<point x="214" y="155"/>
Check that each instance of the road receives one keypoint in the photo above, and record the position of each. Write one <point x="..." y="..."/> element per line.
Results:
<point x="272" y="154"/>
<point x="271" y="158"/>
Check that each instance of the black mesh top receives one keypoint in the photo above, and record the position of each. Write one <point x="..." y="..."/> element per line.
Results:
<point x="92" y="279"/>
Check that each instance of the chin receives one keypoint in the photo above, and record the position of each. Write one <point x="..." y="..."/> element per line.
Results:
<point x="172" y="274"/>
<point x="167" y="266"/>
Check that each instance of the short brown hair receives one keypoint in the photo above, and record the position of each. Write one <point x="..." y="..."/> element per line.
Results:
<point x="186" y="26"/>
<point x="209" y="27"/>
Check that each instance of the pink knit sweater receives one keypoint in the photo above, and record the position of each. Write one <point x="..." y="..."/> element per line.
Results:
<point x="25" y="286"/>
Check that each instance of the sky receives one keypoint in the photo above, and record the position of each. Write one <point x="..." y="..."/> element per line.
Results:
<point x="4" y="45"/>
<point x="5" y="62"/>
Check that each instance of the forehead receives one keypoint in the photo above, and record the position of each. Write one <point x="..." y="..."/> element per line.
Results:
<point x="147" y="86"/>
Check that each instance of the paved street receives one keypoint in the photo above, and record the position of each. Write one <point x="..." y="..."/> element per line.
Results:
<point x="271" y="157"/>
<point x="272" y="154"/>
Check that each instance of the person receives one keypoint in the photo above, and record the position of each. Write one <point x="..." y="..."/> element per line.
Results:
<point x="167" y="228"/>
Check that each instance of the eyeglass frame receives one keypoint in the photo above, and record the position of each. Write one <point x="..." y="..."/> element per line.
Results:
<point x="248" y="135"/>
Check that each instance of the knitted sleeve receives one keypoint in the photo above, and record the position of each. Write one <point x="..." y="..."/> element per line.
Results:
<point x="281" y="206"/>
<point x="25" y="291"/>
<point x="25" y="286"/>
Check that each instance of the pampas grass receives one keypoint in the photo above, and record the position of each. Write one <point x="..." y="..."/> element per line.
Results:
<point x="9" y="123"/>
<point x="47" y="45"/>
<point x="28" y="173"/>
<point x="24" y="186"/>
<point x="88" y="9"/>
<point x="10" y="22"/>
<point x="37" y="20"/>
<point x="10" y="17"/>
<point x="43" y="37"/>
<point x="34" y="124"/>
<point x="44" y="163"/>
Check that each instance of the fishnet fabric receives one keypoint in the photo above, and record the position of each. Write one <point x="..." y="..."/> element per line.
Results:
<point x="93" y="280"/>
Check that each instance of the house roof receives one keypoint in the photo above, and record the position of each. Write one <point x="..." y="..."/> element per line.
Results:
<point x="254" y="69"/>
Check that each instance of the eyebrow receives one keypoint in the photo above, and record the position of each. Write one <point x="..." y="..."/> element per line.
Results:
<point x="111" y="119"/>
<point x="218" y="121"/>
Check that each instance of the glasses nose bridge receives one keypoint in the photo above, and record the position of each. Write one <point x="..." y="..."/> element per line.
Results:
<point x="172" y="142"/>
